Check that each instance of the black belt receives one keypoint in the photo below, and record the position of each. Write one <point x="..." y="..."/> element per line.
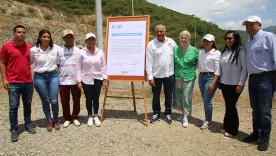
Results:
<point x="207" y="73"/>
<point x="263" y="73"/>
<point x="47" y="72"/>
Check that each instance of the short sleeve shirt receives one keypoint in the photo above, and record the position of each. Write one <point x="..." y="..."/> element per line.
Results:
<point x="17" y="59"/>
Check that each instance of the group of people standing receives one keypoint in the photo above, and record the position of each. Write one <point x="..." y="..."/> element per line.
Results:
<point x="69" y="69"/>
<point x="174" y="67"/>
<point x="62" y="70"/>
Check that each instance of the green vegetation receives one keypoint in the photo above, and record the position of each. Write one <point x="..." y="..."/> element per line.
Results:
<point x="31" y="10"/>
<point x="21" y="14"/>
<point x="47" y="17"/>
<point x="175" y="22"/>
<point x="3" y="11"/>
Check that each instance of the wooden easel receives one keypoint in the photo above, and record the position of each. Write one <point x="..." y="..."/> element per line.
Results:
<point x="133" y="98"/>
<point x="114" y="24"/>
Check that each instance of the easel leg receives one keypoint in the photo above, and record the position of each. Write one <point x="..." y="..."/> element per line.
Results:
<point x="145" y="104"/>
<point x="133" y="96"/>
<point x="106" y="90"/>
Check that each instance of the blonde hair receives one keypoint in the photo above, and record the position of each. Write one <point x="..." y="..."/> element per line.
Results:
<point x="186" y="33"/>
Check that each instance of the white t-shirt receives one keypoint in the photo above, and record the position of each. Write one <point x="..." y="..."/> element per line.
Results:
<point x="209" y="62"/>
<point x="67" y="60"/>
<point x="159" y="58"/>
<point x="44" y="61"/>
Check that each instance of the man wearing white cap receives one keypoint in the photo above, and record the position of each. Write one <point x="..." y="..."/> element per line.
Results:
<point x="160" y="70"/>
<point x="67" y="60"/>
<point x="261" y="65"/>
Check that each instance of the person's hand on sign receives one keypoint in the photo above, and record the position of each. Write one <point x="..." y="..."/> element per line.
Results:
<point x="80" y="86"/>
<point x="151" y="83"/>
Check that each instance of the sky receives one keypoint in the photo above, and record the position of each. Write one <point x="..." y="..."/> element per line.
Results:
<point x="227" y="14"/>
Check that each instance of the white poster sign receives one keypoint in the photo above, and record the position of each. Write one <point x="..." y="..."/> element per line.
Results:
<point x="126" y="48"/>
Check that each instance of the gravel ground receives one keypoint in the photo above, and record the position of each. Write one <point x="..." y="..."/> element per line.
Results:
<point x="123" y="131"/>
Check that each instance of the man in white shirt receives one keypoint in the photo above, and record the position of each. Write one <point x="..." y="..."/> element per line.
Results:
<point x="160" y="70"/>
<point x="67" y="60"/>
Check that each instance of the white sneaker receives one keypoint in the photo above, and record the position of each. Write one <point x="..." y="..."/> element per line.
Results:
<point x="206" y="125"/>
<point x="228" y="135"/>
<point x="76" y="123"/>
<point x="97" y="121"/>
<point x="90" y="121"/>
<point x="66" y="124"/>
<point x="185" y="122"/>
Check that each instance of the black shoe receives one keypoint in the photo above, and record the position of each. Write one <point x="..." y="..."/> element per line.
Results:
<point x="155" y="118"/>
<point x="168" y="119"/>
<point x="263" y="145"/>
<point x="14" y="136"/>
<point x="252" y="138"/>
<point x="29" y="128"/>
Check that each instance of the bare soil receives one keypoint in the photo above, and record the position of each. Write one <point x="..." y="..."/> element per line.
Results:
<point x="123" y="131"/>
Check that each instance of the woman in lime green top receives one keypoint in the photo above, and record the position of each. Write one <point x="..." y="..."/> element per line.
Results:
<point x="185" y="61"/>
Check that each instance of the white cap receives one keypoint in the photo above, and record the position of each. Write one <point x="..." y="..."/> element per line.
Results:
<point x="252" y="19"/>
<point x="87" y="36"/>
<point x="208" y="37"/>
<point x="67" y="32"/>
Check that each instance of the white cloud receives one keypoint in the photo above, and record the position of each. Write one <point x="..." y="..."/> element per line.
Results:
<point x="232" y="25"/>
<point x="262" y="7"/>
<point x="207" y="9"/>
<point x="225" y="13"/>
<point x="266" y="23"/>
<point x="220" y="2"/>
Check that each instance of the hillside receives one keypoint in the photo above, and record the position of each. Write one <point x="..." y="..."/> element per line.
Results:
<point x="175" y="22"/>
<point x="271" y="29"/>
<point x="36" y="18"/>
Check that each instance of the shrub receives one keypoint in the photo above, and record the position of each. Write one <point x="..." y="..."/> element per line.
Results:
<point x="47" y="17"/>
<point x="3" y="11"/>
<point x="21" y="14"/>
<point x="31" y="10"/>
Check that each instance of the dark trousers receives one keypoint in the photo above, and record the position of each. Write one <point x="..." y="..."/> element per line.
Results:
<point x="168" y="84"/>
<point x="231" y="118"/>
<point x="26" y="92"/>
<point x="261" y="90"/>
<point x="92" y="95"/>
<point x="64" y="91"/>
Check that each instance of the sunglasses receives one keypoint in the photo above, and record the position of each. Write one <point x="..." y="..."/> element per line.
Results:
<point x="228" y="38"/>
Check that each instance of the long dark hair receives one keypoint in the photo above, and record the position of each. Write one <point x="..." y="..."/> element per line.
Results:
<point x="38" y="41"/>
<point x="235" y="47"/>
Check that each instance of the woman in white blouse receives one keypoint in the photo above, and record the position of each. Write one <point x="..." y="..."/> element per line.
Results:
<point x="209" y="72"/>
<point x="232" y="80"/>
<point x="46" y="81"/>
<point x="91" y="75"/>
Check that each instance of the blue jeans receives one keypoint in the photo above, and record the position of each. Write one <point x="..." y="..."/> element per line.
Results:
<point x="46" y="85"/>
<point x="26" y="92"/>
<point x="168" y="84"/>
<point x="261" y="90"/>
<point x="204" y="81"/>
<point x="92" y="95"/>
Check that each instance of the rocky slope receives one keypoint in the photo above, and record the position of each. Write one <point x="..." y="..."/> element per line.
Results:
<point x="36" y="18"/>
